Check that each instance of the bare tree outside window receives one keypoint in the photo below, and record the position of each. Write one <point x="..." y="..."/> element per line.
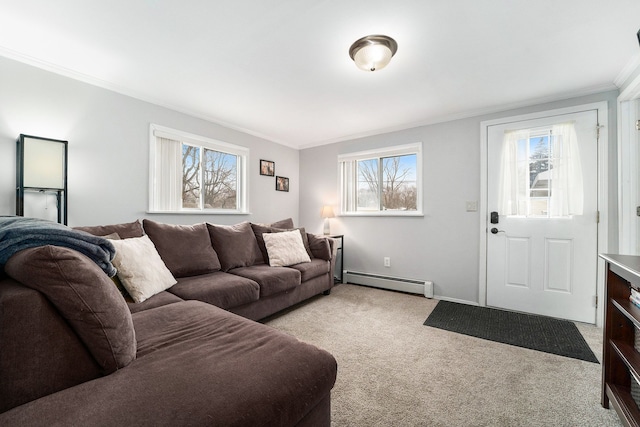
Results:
<point x="217" y="172"/>
<point x="399" y="183"/>
<point x="540" y="165"/>
<point x="220" y="183"/>
<point x="368" y="184"/>
<point x="190" y="176"/>
<point x="395" y="183"/>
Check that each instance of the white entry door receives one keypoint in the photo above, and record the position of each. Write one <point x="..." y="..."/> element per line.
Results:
<point x="542" y="237"/>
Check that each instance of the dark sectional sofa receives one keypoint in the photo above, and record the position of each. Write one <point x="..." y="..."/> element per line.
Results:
<point x="75" y="351"/>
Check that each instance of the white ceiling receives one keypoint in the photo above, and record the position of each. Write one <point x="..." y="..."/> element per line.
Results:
<point x="280" y="69"/>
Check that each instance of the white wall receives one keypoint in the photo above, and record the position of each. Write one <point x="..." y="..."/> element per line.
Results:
<point x="108" y="136"/>
<point x="442" y="246"/>
<point x="108" y="174"/>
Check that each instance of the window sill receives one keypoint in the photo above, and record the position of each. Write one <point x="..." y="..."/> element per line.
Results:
<point x="203" y="212"/>
<point x="412" y="214"/>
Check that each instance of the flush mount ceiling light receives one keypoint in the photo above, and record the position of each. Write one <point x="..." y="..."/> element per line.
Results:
<point x="373" y="52"/>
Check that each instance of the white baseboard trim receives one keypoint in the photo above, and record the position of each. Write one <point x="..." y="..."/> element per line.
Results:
<point x="460" y="301"/>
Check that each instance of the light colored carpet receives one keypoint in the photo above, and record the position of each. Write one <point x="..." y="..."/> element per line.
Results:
<point x="394" y="371"/>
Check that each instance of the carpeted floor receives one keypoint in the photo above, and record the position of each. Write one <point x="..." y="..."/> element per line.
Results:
<point x="540" y="333"/>
<point x="393" y="371"/>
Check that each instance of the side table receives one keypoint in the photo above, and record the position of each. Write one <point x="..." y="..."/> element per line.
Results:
<point x="339" y="241"/>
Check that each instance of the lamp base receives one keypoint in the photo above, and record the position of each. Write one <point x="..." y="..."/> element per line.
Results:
<point x="327" y="227"/>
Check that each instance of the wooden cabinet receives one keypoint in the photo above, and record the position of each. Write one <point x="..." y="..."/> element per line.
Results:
<point x="621" y="359"/>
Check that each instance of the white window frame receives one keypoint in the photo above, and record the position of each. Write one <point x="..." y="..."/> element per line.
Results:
<point x="242" y="174"/>
<point x="348" y="190"/>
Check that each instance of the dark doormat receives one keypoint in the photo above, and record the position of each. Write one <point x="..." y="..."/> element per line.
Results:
<point x="540" y="333"/>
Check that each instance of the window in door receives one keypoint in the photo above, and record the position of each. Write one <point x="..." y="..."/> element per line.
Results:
<point x="541" y="173"/>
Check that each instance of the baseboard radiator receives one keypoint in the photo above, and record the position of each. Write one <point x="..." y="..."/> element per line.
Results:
<point x="422" y="287"/>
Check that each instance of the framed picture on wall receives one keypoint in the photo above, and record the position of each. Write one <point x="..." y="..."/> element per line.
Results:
<point x="282" y="183"/>
<point x="267" y="168"/>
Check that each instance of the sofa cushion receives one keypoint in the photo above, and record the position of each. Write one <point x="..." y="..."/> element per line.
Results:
<point x="272" y="280"/>
<point x="283" y="223"/>
<point x="285" y="248"/>
<point x="260" y="229"/>
<point x="221" y="289"/>
<point x="198" y="366"/>
<point x="125" y="230"/>
<point x="85" y="296"/>
<point x="158" y="300"/>
<point x="235" y="245"/>
<point x="319" y="246"/>
<point x="315" y="268"/>
<point x="140" y="268"/>
<point x="185" y="249"/>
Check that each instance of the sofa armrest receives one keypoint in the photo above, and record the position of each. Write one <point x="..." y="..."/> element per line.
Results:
<point x="324" y="247"/>
<point x="39" y="353"/>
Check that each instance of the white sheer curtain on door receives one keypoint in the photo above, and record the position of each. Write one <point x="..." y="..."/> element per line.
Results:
<point x="566" y="173"/>
<point x="565" y="184"/>
<point x="513" y="191"/>
<point x="168" y="188"/>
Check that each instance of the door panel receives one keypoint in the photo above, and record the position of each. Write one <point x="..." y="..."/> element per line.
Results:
<point x="518" y="259"/>
<point x="543" y="259"/>
<point x="558" y="265"/>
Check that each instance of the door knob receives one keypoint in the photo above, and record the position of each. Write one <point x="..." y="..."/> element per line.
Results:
<point x="496" y="231"/>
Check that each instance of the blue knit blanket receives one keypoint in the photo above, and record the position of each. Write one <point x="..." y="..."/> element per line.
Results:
<point x="18" y="233"/>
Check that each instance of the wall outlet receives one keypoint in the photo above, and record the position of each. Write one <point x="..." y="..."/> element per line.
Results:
<point x="387" y="261"/>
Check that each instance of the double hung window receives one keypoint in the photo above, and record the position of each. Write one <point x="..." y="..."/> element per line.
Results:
<point x="191" y="173"/>
<point x="385" y="181"/>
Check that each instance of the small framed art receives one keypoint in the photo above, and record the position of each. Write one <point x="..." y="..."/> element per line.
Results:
<point x="282" y="183"/>
<point x="267" y="168"/>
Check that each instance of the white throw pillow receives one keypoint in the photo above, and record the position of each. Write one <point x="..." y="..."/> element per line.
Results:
<point x="140" y="268"/>
<point x="285" y="248"/>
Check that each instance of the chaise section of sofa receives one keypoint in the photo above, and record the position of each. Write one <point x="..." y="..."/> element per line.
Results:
<point x="197" y="364"/>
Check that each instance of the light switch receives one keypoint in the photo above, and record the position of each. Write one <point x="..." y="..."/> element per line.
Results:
<point x="472" y="206"/>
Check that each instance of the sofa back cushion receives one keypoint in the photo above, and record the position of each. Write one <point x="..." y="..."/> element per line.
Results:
<point x="124" y="231"/>
<point x="185" y="249"/>
<point x="235" y="245"/>
<point x="85" y="296"/>
<point x="319" y="246"/>
<point x="283" y="223"/>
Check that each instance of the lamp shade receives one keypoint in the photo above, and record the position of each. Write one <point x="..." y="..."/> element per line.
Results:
<point x="373" y="52"/>
<point x="327" y="212"/>
<point x="43" y="163"/>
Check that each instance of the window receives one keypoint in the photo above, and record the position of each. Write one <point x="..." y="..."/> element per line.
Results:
<point x="191" y="173"/>
<point x="382" y="182"/>
<point x="541" y="173"/>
